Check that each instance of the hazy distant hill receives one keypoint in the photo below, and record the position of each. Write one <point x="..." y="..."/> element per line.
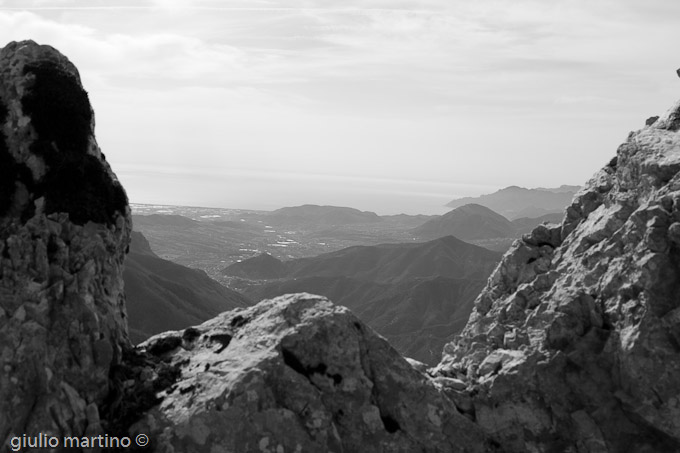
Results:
<point x="389" y="263"/>
<point x="514" y="202"/>
<point x="162" y="295"/>
<point x="385" y="263"/>
<point x="468" y="222"/>
<point x="416" y="294"/>
<point x="408" y="220"/>
<point x="321" y="216"/>
<point x="564" y="188"/>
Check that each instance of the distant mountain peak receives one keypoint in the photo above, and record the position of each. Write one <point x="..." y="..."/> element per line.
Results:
<point x="514" y="201"/>
<point x="468" y="222"/>
<point x="321" y="215"/>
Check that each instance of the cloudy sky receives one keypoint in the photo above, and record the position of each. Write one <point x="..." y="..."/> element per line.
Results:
<point x="385" y="105"/>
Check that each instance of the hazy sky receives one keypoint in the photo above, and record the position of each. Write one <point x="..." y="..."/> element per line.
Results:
<point x="385" y="105"/>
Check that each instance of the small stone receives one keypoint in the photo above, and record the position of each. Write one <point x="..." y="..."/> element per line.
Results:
<point x="420" y="366"/>
<point x="20" y="314"/>
<point x="452" y="383"/>
<point x="498" y="359"/>
<point x="674" y="233"/>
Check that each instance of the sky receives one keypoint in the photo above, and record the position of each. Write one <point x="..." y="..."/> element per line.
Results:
<point x="383" y="105"/>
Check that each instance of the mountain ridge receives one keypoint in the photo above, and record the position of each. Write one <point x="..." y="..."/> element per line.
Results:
<point x="468" y="222"/>
<point x="513" y="202"/>
<point x="377" y="262"/>
<point x="321" y="215"/>
<point x="392" y="287"/>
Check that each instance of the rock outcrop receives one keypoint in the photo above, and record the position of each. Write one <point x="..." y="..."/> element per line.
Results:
<point x="64" y="230"/>
<point x="574" y="345"/>
<point x="298" y="374"/>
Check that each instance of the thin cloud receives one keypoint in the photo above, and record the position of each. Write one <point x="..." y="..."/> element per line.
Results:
<point x="432" y="89"/>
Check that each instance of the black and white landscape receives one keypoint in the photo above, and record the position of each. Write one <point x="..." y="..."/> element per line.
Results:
<point x="233" y="226"/>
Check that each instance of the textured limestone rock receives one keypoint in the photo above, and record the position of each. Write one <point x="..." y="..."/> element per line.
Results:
<point x="298" y="374"/>
<point x="574" y="345"/>
<point x="64" y="229"/>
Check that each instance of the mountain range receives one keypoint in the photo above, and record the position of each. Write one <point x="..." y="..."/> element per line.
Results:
<point x="467" y="222"/>
<point x="515" y="202"/>
<point x="481" y="226"/>
<point x="416" y="294"/>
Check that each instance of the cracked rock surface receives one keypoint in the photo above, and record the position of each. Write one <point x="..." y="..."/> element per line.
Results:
<point x="62" y="307"/>
<point x="574" y="345"/>
<point x="298" y="374"/>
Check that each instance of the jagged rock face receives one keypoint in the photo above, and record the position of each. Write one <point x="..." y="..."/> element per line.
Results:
<point x="574" y="345"/>
<point x="64" y="230"/>
<point x="297" y="374"/>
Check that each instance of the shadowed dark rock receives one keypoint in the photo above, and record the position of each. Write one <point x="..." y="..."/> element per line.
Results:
<point x="64" y="229"/>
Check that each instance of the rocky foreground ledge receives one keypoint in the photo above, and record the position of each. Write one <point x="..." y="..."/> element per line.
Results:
<point x="298" y="374"/>
<point x="574" y="345"/>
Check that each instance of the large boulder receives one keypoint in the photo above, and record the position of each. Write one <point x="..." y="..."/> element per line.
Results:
<point x="574" y="345"/>
<point x="64" y="230"/>
<point x="297" y="374"/>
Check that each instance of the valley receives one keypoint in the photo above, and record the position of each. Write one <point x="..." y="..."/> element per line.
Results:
<point x="213" y="238"/>
<point x="177" y="295"/>
<point x="415" y="294"/>
<point x="413" y="278"/>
